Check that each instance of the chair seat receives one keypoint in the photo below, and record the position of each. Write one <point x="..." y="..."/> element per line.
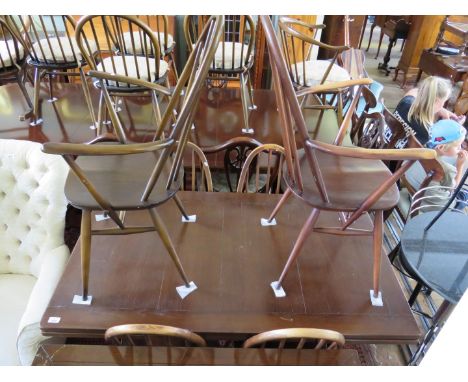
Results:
<point x="51" y="50"/>
<point x="8" y="53"/>
<point x="314" y="72"/>
<point x="137" y="48"/>
<point x="121" y="180"/>
<point x="145" y="67"/>
<point x="348" y="181"/>
<point x="15" y="290"/>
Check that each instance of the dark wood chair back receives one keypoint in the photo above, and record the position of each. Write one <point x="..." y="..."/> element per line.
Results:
<point x="265" y="164"/>
<point x="152" y="335"/>
<point x="317" y="338"/>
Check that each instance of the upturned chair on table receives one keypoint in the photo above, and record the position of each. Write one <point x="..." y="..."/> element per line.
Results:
<point x="124" y="46"/>
<point x="234" y="56"/>
<point x="348" y="180"/>
<point x="52" y="51"/>
<point x="12" y="62"/>
<point x="139" y="176"/>
<point x="299" y="46"/>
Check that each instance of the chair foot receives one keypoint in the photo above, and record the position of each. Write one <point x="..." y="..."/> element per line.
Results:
<point x="376" y="301"/>
<point x="277" y="289"/>
<point x="264" y="222"/>
<point x="252" y="107"/>
<point x="53" y="99"/>
<point x="184" y="290"/>
<point x="191" y="219"/>
<point x="36" y="122"/>
<point x="77" y="299"/>
<point x="248" y="130"/>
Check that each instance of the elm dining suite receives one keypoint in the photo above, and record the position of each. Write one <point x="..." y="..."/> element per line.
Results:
<point x="229" y="251"/>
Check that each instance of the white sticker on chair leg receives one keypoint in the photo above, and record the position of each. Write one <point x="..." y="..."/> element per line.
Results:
<point x="376" y="301"/>
<point x="279" y="292"/>
<point x="102" y="217"/>
<point x="184" y="290"/>
<point x="191" y="219"/>
<point x="248" y="131"/>
<point x="77" y="299"/>
<point x="264" y="222"/>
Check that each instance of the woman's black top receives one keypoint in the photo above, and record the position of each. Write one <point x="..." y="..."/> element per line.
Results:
<point x="414" y="126"/>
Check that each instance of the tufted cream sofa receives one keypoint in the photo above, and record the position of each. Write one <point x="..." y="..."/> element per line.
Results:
<point x="32" y="250"/>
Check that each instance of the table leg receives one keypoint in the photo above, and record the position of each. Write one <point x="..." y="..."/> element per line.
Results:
<point x="384" y="65"/>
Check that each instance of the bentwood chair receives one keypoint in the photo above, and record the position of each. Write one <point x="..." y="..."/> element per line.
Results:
<point x="52" y="51"/>
<point x="234" y="56"/>
<point x="265" y="164"/>
<point x="299" y="46"/>
<point x="349" y="180"/>
<point x="125" y="46"/>
<point x="121" y="177"/>
<point x="202" y="182"/>
<point x="152" y="335"/>
<point x="317" y="338"/>
<point x="12" y="62"/>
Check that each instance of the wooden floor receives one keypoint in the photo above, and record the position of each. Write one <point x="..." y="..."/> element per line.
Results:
<point x="233" y="259"/>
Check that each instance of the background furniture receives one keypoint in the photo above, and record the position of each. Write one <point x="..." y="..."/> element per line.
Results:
<point x="52" y="51"/>
<point x="12" y="62"/>
<point x="32" y="249"/>
<point x="234" y="56"/>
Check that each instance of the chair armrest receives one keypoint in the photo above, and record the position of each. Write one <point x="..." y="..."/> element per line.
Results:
<point x="110" y="149"/>
<point x="130" y="80"/>
<point x="334" y="86"/>
<point x="381" y="154"/>
<point x="29" y="335"/>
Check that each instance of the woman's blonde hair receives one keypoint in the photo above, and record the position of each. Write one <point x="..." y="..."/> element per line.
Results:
<point x="432" y="88"/>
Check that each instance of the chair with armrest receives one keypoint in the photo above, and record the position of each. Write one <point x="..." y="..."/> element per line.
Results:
<point x="52" y="51"/>
<point x="348" y="180"/>
<point x="12" y="62"/>
<point x="234" y="56"/>
<point x="121" y="177"/>
<point x="152" y="335"/>
<point x="124" y="46"/>
<point x="198" y="160"/>
<point x="267" y="163"/>
<point x="318" y="338"/>
<point x="299" y="46"/>
<point x="33" y="254"/>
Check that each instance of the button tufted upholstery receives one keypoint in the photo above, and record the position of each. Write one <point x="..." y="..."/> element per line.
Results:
<point x="32" y="250"/>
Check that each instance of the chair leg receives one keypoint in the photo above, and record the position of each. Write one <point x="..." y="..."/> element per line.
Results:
<point x="37" y="83"/>
<point x="380" y="43"/>
<point x="415" y="294"/>
<point x="370" y="37"/>
<point x="250" y="90"/>
<point x="51" y="89"/>
<point x="377" y="247"/>
<point x="88" y="99"/>
<point x="174" y="68"/>
<point x="85" y="241"/>
<point x="245" y="106"/>
<point x="163" y="234"/>
<point x="20" y="80"/>
<point x="305" y="231"/>
<point x="394" y="253"/>
<point x="180" y="206"/>
<point x="283" y="199"/>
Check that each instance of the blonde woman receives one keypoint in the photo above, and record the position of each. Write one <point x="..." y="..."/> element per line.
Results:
<point x="421" y="107"/>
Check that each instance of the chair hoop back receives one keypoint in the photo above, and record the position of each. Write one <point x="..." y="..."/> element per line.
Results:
<point x="122" y="333"/>
<point x="324" y="339"/>
<point x="50" y="40"/>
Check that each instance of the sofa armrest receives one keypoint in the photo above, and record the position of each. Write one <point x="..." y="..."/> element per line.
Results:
<point x="29" y="335"/>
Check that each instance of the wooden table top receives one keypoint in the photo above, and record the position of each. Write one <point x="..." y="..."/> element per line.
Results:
<point x="233" y="260"/>
<point x="104" y="355"/>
